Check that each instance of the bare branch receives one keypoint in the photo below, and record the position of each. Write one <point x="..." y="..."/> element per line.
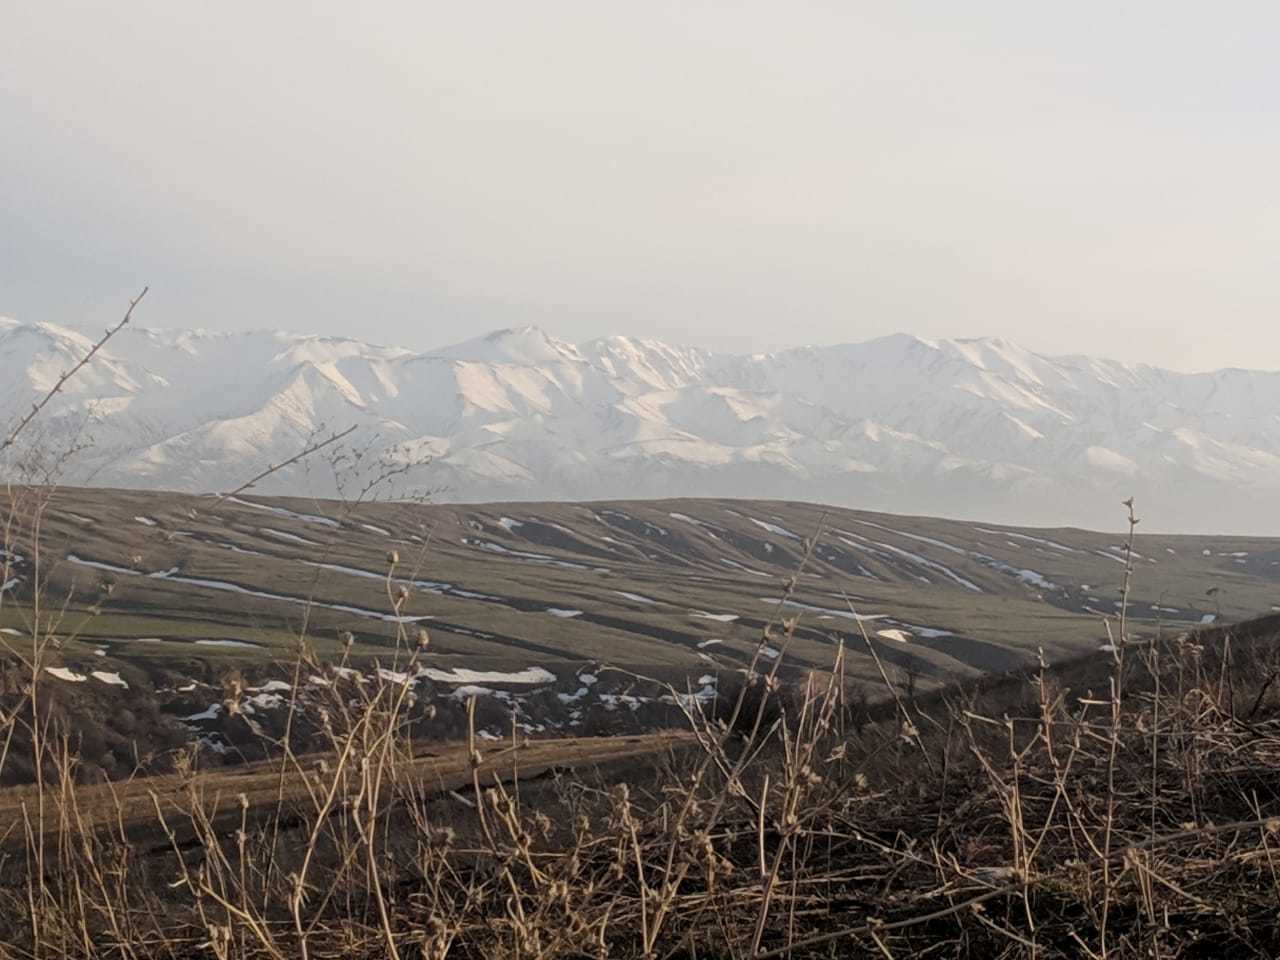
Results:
<point x="277" y="467"/>
<point x="62" y="380"/>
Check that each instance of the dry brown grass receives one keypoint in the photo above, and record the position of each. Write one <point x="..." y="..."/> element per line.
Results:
<point x="1126" y="806"/>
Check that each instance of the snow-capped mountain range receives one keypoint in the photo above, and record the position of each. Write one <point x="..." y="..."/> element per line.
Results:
<point x="969" y="428"/>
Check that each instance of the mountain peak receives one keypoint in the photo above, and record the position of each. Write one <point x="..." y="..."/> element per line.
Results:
<point x="526" y="346"/>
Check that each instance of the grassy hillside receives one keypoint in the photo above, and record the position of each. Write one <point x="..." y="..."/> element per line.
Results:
<point x="166" y="618"/>
<point x="640" y="584"/>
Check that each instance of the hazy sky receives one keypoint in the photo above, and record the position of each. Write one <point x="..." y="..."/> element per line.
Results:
<point x="1082" y="177"/>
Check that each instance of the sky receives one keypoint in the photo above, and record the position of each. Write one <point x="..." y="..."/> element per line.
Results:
<point x="1082" y="178"/>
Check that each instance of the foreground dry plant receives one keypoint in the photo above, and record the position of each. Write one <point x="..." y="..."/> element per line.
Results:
<point x="1124" y="806"/>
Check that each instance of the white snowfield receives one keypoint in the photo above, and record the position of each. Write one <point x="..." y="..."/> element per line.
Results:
<point x="980" y="428"/>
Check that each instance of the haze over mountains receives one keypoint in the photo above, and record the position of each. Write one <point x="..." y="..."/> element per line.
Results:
<point x="981" y="429"/>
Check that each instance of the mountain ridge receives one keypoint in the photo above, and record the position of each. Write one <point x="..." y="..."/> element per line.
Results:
<point x="974" y="427"/>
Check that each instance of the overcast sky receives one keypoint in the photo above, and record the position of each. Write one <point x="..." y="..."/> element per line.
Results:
<point x="1081" y="177"/>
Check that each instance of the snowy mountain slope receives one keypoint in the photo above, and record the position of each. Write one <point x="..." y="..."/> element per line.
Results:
<point x="977" y="428"/>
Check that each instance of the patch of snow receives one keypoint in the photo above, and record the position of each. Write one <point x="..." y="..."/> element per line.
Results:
<point x="248" y="592"/>
<point x="564" y="614"/>
<point x="612" y="701"/>
<point x="845" y="614"/>
<point x="228" y="643"/>
<point x="272" y="686"/>
<point x="910" y="536"/>
<point x="742" y="567"/>
<point x="923" y="561"/>
<point x="1111" y="556"/>
<point x="929" y="633"/>
<point x="430" y="586"/>
<point x="719" y="617"/>
<point x="634" y="596"/>
<point x="588" y="679"/>
<point x="112" y="678"/>
<point x="1209" y="618"/>
<point x="509" y="525"/>
<point x="1036" y="579"/>
<point x="372" y="528"/>
<point x="285" y="535"/>
<point x="709" y="643"/>
<point x="263" y="701"/>
<point x="62" y="673"/>
<point x="1043" y="541"/>
<point x="899" y="635"/>
<point x="1109" y="461"/>
<point x="775" y="529"/>
<point x="491" y="547"/>
<point x="690" y="701"/>
<point x="282" y="512"/>
<point x="145" y="521"/>
<point x="208" y="713"/>
<point x="463" y="675"/>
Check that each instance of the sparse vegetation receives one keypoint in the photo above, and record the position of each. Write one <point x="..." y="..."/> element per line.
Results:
<point x="1121" y="804"/>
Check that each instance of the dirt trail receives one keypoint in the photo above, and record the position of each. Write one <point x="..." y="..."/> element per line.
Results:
<point x="130" y="807"/>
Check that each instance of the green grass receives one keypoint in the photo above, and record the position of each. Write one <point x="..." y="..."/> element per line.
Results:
<point x="596" y="551"/>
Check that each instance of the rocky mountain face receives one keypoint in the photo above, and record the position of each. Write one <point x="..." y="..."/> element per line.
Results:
<point x="978" y="428"/>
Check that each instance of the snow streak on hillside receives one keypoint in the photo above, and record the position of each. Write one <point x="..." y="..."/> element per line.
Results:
<point x="972" y="428"/>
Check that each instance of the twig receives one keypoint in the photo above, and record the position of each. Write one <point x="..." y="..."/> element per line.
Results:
<point x="277" y="467"/>
<point x="67" y="375"/>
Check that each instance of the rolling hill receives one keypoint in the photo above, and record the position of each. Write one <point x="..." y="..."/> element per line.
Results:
<point x="551" y="611"/>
